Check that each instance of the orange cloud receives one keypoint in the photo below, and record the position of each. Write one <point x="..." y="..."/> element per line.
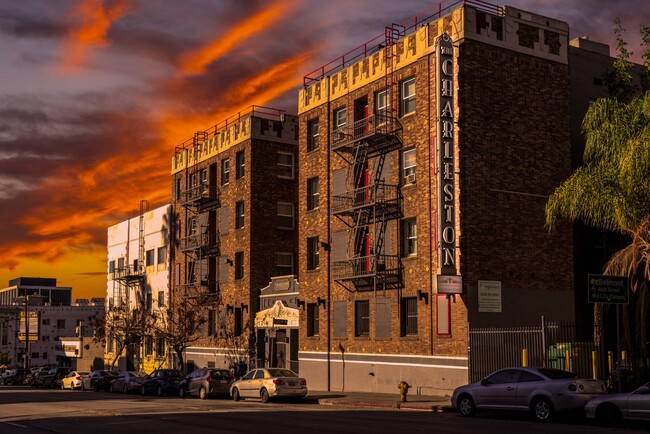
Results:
<point x="194" y="62"/>
<point x="93" y="19"/>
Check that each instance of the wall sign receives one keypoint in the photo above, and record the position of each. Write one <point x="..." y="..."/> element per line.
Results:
<point x="489" y="296"/>
<point x="446" y="163"/>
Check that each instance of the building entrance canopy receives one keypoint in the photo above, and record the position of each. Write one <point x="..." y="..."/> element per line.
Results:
<point x="278" y="316"/>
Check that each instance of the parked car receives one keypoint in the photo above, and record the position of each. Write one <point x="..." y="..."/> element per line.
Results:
<point x="613" y="409"/>
<point x="99" y="380"/>
<point x="16" y="376"/>
<point x="36" y="379"/>
<point x="74" y="380"/>
<point x="162" y="382"/>
<point x="53" y="377"/>
<point x="543" y="391"/>
<point x="269" y="383"/>
<point x="127" y="381"/>
<point x="206" y="382"/>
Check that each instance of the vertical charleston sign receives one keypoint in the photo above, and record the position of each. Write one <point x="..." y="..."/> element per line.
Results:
<point x="446" y="164"/>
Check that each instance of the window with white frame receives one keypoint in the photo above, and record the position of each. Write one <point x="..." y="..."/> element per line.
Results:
<point x="225" y="171"/>
<point x="240" y="161"/>
<point x="381" y="105"/>
<point x="192" y="226"/>
<point x="284" y="262"/>
<point x="312" y="134"/>
<point x="340" y="117"/>
<point x="312" y="253"/>
<point x="409" y="316"/>
<point x="313" y="193"/>
<point x="286" y="165"/>
<point x="407" y="96"/>
<point x="362" y="318"/>
<point x="285" y="215"/>
<point x="239" y="265"/>
<point x="410" y="233"/>
<point x="150" y="257"/>
<point x="408" y="166"/>
<point x="162" y="258"/>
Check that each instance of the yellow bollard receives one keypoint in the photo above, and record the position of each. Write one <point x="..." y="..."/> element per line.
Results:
<point x="567" y="360"/>
<point x="524" y="357"/>
<point x="610" y="360"/>
<point x="594" y="368"/>
<point x="623" y="356"/>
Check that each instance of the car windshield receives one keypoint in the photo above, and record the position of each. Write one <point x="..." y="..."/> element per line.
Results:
<point x="137" y="374"/>
<point x="556" y="374"/>
<point x="282" y="373"/>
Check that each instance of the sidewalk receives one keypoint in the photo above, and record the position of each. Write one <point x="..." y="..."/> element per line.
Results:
<point x="385" y="400"/>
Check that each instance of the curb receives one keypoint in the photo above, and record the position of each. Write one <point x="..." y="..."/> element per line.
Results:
<point x="437" y="408"/>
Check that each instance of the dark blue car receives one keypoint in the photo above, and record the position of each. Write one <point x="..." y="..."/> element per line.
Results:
<point x="162" y="382"/>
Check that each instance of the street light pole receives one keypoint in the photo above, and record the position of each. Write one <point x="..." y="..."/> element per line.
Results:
<point x="26" y="334"/>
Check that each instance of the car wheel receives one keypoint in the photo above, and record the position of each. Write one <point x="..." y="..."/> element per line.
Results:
<point x="125" y="389"/>
<point x="609" y="415"/>
<point x="235" y="394"/>
<point x="264" y="395"/>
<point x="181" y="392"/>
<point x="159" y="391"/>
<point x="466" y="405"/>
<point x="203" y="393"/>
<point x="542" y="409"/>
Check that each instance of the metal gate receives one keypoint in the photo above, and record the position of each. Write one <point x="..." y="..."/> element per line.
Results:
<point x="551" y="345"/>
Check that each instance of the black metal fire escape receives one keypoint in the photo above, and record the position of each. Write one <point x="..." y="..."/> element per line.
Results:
<point x="200" y="243"/>
<point x="130" y="276"/>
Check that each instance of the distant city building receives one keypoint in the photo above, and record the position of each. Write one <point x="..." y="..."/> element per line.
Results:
<point x="52" y="294"/>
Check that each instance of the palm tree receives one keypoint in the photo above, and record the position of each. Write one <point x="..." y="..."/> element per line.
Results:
<point x="611" y="191"/>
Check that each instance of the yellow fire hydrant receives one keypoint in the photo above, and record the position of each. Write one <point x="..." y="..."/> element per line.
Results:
<point x="403" y="387"/>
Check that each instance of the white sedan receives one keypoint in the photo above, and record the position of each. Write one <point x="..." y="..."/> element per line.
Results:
<point x="543" y="391"/>
<point x="612" y="409"/>
<point x="269" y="383"/>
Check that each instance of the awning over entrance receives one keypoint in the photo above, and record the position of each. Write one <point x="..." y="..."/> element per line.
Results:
<point x="278" y="316"/>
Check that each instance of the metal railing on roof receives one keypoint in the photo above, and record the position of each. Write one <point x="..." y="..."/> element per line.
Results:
<point x="251" y="111"/>
<point x="410" y="25"/>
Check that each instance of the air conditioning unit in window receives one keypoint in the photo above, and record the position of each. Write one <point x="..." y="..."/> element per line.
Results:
<point x="410" y="178"/>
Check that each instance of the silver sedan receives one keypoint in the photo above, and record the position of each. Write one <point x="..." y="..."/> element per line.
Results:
<point x="542" y="391"/>
<point x="269" y="383"/>
<point x="612" y="409"/>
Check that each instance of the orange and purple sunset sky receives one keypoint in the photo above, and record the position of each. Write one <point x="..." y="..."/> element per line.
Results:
<point x="94" y="96"/>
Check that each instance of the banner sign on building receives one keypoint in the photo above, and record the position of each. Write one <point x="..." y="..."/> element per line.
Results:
<point x="608" y="289"/>
<point x="450" y="284"/>
<point x="446" y="147"/>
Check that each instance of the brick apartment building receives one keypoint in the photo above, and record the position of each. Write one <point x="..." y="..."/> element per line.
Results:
<point x="426" y="163"/>
<point x="234" y="204"/>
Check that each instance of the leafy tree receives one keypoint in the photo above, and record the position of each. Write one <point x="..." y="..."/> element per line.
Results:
<point x="125" y="326"/>
<point x="4" y="358"/>
<point x="619" y="78"/>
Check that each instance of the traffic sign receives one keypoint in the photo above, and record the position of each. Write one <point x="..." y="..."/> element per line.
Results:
<point x="608" y="289"/>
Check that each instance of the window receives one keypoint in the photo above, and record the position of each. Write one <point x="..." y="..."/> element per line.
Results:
<point x="160" y="346"/>
<point x="161" y="298"/>
<point x="190" y="278"/>
<point x="284" y="264"/>
<point x="45" y="338"/>
<point x="60" y="323"/>
<point x="312" y="319"/>
<point x="407" y="101"/>
<point x="239" y="215"/>
<point x="212" y="322"/>
<point x="111" y="267"/>
<point x="410" y="233"/>
<point x="312" y="193"/>
<point x="409" y="316"/>
<point x="162" y="258"/>
<point x="120" y="263"/>
<point x="192" y="180"/>
<point x="285" y="165"/>
<point x="285" y="215"/>
<point x="178" y="188"/>
<point x="192" y="224"/>
<point x="225" y="171"/>
<point x="109" y="344"/>
<point x="204" y="178"/>
<point x="312" y="253"/>
<point x="362" y="318"/>
<point x="238" y="322"/>
<point x="381" y="105"/>
<point x="503" y="377"/>
<point x="44" y="355"/>
<point x="239" y="265"/>
<point x="46" y="322"/>
<point x="148" y="345"/>
<point x="240" y="161"/>
<point x="148" y="300"/>
<point x="408" y="166"/>
<point x="150" y="256"/>
<point x="312" y="134"/>
<point x="340" y="117"/>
